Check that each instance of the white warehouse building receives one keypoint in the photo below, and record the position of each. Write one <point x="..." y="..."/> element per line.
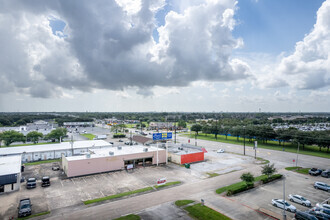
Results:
<point x="10" y="173"/>
<point x="52" y="151"/>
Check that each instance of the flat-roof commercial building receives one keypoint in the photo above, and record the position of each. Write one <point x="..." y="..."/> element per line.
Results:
<point x="184" y="153"/>
<point x="52" y="151"/>
<point x="10" y="173"/>
<point x="111" y="159"/>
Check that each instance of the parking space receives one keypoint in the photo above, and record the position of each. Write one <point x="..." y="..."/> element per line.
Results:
<point x="295" y="183"/>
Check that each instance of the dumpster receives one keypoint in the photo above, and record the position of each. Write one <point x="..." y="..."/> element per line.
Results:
<point x="187" y="165"/>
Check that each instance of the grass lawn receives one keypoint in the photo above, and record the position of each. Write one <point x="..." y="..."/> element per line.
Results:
<point x="236" y="185"/>
<point x="129" y="217"/>
<point x="167" y="184"/>
<point x="180" y="203"/>
<point x="204" y="213"/>
<point x="41" y="162"/>
<point x="273" y="145"/>
<point x="89" y="136"/>
<point x="35" y="215"/>
<point x="298" y="170"/>
<point x="117" y="195"/>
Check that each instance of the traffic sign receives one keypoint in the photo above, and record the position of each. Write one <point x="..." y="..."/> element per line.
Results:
<point x="161" y="136"/>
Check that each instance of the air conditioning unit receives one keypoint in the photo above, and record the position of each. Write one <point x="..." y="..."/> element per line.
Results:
<point x="180" y="148"/>
<point x="111" y="153"/>
<point x="145" y="149"/>
<point x="88" y="155"/>
<point x="119" y="147"/>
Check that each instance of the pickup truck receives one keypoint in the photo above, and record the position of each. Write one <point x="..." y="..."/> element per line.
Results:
<point x="24" y="208"/>
<point x="45" y="181"/>
<point x="31" y="183"/>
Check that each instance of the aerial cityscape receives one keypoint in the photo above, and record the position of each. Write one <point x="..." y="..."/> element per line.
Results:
<point x="165" y="109"/>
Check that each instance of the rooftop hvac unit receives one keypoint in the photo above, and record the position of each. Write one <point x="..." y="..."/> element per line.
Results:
<point x="88" y="155"/>
<point x="111" y="153"/>
<point x="145" y="149"/>
<point x="180" y="148"/>
<point x="119" y="147"/>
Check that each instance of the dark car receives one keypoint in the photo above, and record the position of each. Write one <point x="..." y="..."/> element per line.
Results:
<point x="45" y="181"/>
<point x="319" y="215"/>
<point x="31" y="183"/>
<point x="326" y="173"/>
<point x="24" y="208"/>
<point x="120" y="140"/>
<point x="314" y="171"/>
<point x="304" y="215"/>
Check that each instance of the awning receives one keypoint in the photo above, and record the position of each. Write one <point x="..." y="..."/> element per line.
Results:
<point x="8" y="179"/>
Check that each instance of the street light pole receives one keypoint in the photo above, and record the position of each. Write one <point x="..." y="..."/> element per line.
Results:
<point x="297" y="155"/>
<point x="284" y="215"/>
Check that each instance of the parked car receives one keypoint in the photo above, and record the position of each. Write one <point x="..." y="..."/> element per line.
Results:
<point x="24" y="208"/>
<point x="327" y="206"/>
<point x="321" y="209"/>
<point x="56" y="167"/>
<point x="220" y="151"/>
<point x="323" y="186"/>
<point x="299" y="199"/>
<point x="304" y="216"/>
<point x="280" y="203"/>
<point x="45" y="181"/>
<point x="319" y="214"/>
<point x="31" y="183"/>
<point x="314" y="171"/>
<point x="120" y="140"/>
<point x="326" y="173"/>
<point x="110" y="142"/>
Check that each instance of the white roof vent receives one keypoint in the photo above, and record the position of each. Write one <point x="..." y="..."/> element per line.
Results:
<point x="111" y="153"/>
<point x="119" y="147"/>
<point x="145" y="149"/>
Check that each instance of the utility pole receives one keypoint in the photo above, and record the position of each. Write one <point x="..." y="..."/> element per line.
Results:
<point x="175" y="130"/>
<point x="284" y="215"/>
<point x="71" y="143"/>
<point x="244" y="140"/>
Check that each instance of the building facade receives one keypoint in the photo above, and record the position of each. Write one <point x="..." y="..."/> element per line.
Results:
<point x="10" y="173"/>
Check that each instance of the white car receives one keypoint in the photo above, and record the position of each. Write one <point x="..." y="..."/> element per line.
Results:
<point x="299" y="199"/>
<point x="283" y="204"/>
<point x="325" y="206"/>
<point x="220" y="151"/>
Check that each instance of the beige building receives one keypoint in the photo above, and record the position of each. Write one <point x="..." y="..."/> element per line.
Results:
<point x="111" y="159"/>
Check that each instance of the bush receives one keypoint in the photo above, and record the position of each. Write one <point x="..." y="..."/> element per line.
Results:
<point x="239" y="189"/>
<point x="119" y="135"/>
<point x="271" y="178"/>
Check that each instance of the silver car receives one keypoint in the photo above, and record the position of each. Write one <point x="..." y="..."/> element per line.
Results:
<point x="280" y="203"/>
<point x="299" y="199"/>
<point x="323" y="186"/>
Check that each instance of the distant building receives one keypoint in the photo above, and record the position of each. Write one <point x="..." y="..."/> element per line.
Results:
<point x="161" y="125"/>
<point x="10" y="173"/>
<point x="78" y="124"/>
<point x="185" y="153"/>
<point x="52" y="151"/>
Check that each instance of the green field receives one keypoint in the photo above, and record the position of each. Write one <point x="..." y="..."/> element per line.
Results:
<point x="35" y="215"/>
<point x="201" y="212"/>
<point x="89" y="136"/>
<point x="273" y="145"/>
<point x="180" y="203"/>
<point x="298" y="169"/>
<point x="41" y="162"/>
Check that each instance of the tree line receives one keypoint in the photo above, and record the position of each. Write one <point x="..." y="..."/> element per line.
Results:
<point x="9" y="137"/>
<point x="265" y="133"/>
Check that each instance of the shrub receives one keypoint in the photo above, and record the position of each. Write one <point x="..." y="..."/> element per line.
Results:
<point x="119" y="135"/>
<point x="239" y="189"/>
<point x="271" y="178"/>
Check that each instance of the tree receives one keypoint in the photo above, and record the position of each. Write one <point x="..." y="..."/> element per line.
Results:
<point x="196" y="128"/>
<point x="34" y="136"/>
<point x="10" y="137"/>
<point x="57" y="134"/>
<point x="182" y="124"/>
<point x="247" y="177"/>
<point x="268" y="170"/>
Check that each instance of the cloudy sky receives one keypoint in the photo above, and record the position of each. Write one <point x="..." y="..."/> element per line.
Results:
<point x="165" y="55"/>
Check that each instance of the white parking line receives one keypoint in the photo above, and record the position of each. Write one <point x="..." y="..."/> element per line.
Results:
<point x="102" y="193"/>
<point x="84" y="179"/>
<point x="73" y="181"/>
<point x="61" y="183"/>
<point x="95" y="178"/>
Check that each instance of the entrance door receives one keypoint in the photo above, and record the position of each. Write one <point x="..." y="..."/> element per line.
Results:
<point x="2" y="188"/>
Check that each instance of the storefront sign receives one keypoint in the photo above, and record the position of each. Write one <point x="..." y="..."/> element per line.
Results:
<point x="161" y="181"/>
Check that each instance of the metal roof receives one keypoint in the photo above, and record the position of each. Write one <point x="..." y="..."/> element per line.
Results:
<point x="52" y="147"/>
<point x="10" y="165"/>
<point x="125" y="150"/>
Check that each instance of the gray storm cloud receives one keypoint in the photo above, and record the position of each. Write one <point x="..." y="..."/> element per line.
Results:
<point x="108" y="48"/>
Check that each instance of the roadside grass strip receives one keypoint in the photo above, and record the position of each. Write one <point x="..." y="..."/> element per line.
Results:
<point x="262" y="160"/>
<point x="41" y="162"/>
<point x="272" y="145"/>
<point x="118" y="195"/>
<point x="89" y="136"/>
<point x="35" y="215"/>
<point x="203" y="212"/>
<point x="129" y="217"/>
<point x="298" y="170"/>
<point x="212" y="174"/>
<point x="167" y="184"/>
<point x="242" y="184"/>
<point x="180" y="203"/>
<point x="31" y="144"/>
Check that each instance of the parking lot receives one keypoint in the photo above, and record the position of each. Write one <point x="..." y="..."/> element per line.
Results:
<point x="70" y="192"/>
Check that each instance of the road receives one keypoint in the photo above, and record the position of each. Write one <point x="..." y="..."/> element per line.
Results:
<point x="201" y="189"/>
